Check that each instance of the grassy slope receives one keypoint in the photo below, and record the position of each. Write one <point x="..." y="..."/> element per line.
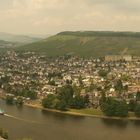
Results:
<point x="87" y="45"/>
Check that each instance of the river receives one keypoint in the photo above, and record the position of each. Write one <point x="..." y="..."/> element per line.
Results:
<point x="44" y="125"/>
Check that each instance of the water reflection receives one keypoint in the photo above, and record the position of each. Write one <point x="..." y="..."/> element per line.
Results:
<point x="61" y="116"/>
<point x="115" y="123"/>
<point x="19" y="108"/>
<point x="136" y="123"/>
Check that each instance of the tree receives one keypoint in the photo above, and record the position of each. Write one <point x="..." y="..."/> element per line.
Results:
<point x="119" y="86"/>
<point x="19" y="101"/>
<point x="68" y="81"/>
<point x="5" y="135"/>
<point x="125" y="88"/>
<point x="76" y="90"/>
<point x="80" y="81"/>
<point x="31" y="94"/>
<point x="103" y="73"/>
<point x="9" y="99"/>
<point x="112" y="107"/>
<point x="132" y="105"/>
<point x="78" y="102"/>
<point x="61" y="105"/>
<point x="137" y="110"/>
<point x="108" y="107"/>
<point x="103" y="98"/>
<point x="66" y="94"/>
<point x="121" y="109"/>
<point x="138" y="96"/>
<point x="26" y="92"/>
<point x="86" y="100"/>
<point x="48" y="101"/>
<point x="51" y="82"/>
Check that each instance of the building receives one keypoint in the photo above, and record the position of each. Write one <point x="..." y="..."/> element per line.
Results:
<point x="118" y="57"/>
<point x="127" y="57"/>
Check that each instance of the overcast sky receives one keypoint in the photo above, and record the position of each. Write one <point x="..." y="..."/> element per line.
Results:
<point x="52" y="16"/>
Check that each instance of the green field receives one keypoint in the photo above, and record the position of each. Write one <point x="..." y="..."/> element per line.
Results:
<point x="87" y="44"/>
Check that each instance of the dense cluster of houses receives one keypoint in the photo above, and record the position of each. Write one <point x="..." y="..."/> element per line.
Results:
<point x="44" y="75"/>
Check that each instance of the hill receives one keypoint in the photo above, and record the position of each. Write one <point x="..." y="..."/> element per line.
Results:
<point x="18" y="38"/>
<point x="87" y="43"/>
<point x="6" y="44"/>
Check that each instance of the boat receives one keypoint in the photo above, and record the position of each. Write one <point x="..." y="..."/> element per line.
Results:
<point x="2" y="112"/>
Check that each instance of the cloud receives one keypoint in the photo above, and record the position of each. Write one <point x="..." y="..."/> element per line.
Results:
<point x="51" y="16"/>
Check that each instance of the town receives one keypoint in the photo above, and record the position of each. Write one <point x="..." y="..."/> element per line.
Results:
<point x="34" y="76"/>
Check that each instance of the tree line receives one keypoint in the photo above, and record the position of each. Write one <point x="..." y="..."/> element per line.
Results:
<point x="64" y="99"/>
<point x="119" y="108"/>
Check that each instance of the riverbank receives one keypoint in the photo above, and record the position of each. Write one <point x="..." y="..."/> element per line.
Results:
<point x="95" y="113"/>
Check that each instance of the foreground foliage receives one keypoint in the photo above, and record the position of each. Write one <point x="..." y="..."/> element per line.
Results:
<point x="3" y="134"/>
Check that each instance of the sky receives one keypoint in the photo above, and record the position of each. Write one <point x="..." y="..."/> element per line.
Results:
<point x="53" y="16"/>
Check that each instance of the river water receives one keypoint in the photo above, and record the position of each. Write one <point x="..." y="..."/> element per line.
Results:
<point x="44" y="125"/>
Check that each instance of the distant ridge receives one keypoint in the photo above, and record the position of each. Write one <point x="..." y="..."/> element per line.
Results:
<point x="17" y="38"/>
<point x="101" y="33"/>
<point x="87" y="44"/>
<point x="6" y="44"/>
